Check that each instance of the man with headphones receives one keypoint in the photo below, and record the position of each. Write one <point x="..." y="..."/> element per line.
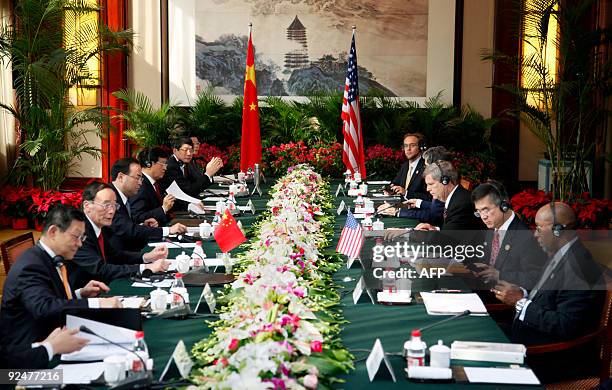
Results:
<point x="409" y="181"/>
<point x="149" y="203"/>
<point x="187" y="174"/>
<point x="566" y="302"/>
<point x="512" y="253"/>
<point x="38" y="286"/>
<point x="442" y="181"/>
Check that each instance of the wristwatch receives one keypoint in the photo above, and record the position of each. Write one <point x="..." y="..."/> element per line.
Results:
<point x="520" y="304"/>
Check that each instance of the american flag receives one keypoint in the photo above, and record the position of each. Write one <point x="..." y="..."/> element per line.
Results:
<point x="351" y="238"/>
<point x="352" y="154"/>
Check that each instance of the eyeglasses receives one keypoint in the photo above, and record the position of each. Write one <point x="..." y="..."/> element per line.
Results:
<point x="409" y="146"/>
<point x="163" y="164"/>
<point x="138" y="178"/>
<point x="485" y="211"/>
<point x="540" y="227"/>
<point x="108" y="206"/>
<point x="81" y="238"/>
<point x="186" y="150"/>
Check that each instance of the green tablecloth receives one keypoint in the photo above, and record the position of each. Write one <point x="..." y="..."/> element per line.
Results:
<point x="391" y="324"/>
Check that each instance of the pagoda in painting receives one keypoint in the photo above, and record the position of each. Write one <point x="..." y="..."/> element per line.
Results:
<point x="297" y="58"/>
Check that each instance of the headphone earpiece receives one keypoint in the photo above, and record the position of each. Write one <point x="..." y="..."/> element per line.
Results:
<point x="148" y="163"/>
<point x="58" y="261"/>
<point x="557" y="228"/>
<point x="444" y="179"/>
<point x="504" y="204"/>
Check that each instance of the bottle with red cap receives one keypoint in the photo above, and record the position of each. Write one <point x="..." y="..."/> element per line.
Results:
<point x="415" y="349"/>
<point x="140" y="349"/>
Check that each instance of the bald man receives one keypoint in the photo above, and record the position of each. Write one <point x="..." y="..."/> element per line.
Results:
<point x="566" y="301"/>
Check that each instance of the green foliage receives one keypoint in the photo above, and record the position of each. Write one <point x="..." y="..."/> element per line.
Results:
<point x="147" y="126"/>
<point x="48" y="50"/>
<point x="558" y="103"/>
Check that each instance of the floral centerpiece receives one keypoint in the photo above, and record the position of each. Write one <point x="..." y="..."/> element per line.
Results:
<point x="324" y="157"/>
<point x="279" y="327"/>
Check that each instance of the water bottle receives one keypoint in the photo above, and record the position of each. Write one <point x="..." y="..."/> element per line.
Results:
<point x="140" y="349"/>
<point x="231" y="202"/>
<point x="198" y="255"/>
<point x="178" y="291"/>
<point x="415" y="349"/>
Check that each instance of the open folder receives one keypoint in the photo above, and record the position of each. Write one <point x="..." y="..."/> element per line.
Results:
<point x="97" y="348"/>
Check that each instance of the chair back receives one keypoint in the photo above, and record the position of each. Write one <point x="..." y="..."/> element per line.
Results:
<point x="606" y="336"/>
<point x="13" y="248"/>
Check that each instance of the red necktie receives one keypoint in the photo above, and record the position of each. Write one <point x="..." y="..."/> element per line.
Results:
<point x="494" y="248"/>
<point x="157" y="190"/>
<point x="101" y="243"/>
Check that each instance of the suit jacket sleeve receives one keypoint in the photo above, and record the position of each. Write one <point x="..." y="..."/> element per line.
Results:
<point x="24" y="356"/>
<point x="89" y="260"/>
<point x="125" y="229"/>
<point x="142" y="209"/>
<point x="39" y="300"/>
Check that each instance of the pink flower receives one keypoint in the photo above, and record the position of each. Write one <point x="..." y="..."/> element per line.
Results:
<point x="311" y="381"/>
<point x="233" y="345"/>
<point x="316" y="346"/>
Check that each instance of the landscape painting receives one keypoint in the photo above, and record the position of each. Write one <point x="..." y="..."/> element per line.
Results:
<point x="301" y="46"/>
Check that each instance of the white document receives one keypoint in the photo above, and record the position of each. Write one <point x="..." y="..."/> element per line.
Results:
<point x="132" y="302"/>
<point x="449" y="304"/>
<point x="80" y="374"/>
<point x="394" y="297"/>
<point x="161" y="284"/>
<point x="94" y="352"/>
<point x="176" y="191"/>
<point x="117" y="334"/>
<point x="196" y="208"/>
<point x="191" y="230"/>
<point x="174" y="244"/>
<point x="214" y="199"/>
<point x="379" y="182"/>
<point x="515" y="376"/>
<point x="375" y="358"/>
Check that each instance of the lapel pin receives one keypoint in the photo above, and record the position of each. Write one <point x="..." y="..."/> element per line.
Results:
<point x="507" y="247"/>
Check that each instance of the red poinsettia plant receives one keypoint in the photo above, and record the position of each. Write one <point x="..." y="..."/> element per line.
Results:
<point x="17" y="201"/>
<point x="207" y="152"/>
<point x="326" y="158"/>
<point x="43" y="201"/>
<point x="591" y="213"/>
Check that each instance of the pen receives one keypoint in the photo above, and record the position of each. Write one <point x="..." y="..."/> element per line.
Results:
<point x="444" y="290"/>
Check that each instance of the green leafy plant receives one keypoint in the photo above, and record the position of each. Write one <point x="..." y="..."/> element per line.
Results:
<point x="147" y="126"/>
<point x="50" y="47"/>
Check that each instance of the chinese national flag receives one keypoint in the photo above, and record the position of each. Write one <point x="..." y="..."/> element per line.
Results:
<point x="250" y="146"/>
<point x="227" y="234"/>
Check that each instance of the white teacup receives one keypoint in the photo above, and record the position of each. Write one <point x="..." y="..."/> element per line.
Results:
<point x="114" y="368"/>
<point x="241" y="176"/>
<point x="182" y="263"/>
<point x="205" y="230"/>
<point x="159" y="300"/>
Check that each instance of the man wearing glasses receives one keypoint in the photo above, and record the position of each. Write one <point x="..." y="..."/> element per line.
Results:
<point x="98" y="257"/>
<point x="40" y="285"/>
<point x="148" y="206"/>
<point x="127" y="177"/>
<point x="565" y="303"/>
<point x="188" y="176"/>
<point x="409" y="181"/>
<point x="511" y="252"/>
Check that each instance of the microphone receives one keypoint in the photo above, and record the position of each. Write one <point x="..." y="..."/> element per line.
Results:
<point x="465" y="313"/>
<point x="398" y="205"/>
<point x="140" y="380"/>
<point x="228" y="178"/>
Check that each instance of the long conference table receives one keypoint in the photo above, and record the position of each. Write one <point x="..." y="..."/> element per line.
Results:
<point x="366" y="322"/>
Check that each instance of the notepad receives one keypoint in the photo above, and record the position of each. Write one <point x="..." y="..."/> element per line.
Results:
<point x="513" y="376"/>
<point x="448" y="304"/>
<point x="80" y="374"/>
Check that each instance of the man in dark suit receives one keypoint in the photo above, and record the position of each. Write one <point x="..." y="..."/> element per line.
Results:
<point x="37" y="288"/>
<point x="149" y="203"/>
<point x="187" y="174"/>
<point x="127" y="177"/>
<point x="511" y="252"/>
<point x="442" y="181"/>
<point x="38" y="355"/>
<point x="430" y="211"/>
<point x="409" y="181"/>
<point x="566" y="301"/>
<point x="98" y="257"/>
